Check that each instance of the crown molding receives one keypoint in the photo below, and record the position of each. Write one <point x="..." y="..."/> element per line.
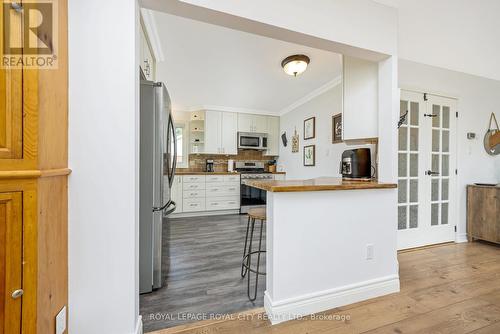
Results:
<point x="318" y="91"/>
<point x="149" y="22"/>
<point x="229" y="109"/>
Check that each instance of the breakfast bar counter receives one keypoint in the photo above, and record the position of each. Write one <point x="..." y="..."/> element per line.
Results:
<point x="329" y="243"/>
<point x="318" y="184"/>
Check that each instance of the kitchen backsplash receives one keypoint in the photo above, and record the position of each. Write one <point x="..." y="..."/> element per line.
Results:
<point x="197" y="161"/>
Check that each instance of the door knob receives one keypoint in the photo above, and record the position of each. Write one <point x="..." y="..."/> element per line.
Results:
<point x="429" y="172"/>
<point x="17" y="293"/>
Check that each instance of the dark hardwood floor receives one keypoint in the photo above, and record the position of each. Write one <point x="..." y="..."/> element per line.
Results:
<point x="204" y="275"/>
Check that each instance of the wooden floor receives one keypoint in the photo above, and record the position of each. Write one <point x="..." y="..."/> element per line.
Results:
<point x="204" y="277"/>
<point x="447" y="289"/>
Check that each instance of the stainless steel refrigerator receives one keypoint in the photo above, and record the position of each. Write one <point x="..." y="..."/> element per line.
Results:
<point x="158" y="157"/>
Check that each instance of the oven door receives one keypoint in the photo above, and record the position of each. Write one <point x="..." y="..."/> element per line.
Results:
<point x="251" y="197"/>
<point x="248" y="140"/>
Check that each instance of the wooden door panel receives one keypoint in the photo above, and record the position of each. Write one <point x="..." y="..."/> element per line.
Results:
<point x="11" y="99"/>
<point x="10" y="261"/>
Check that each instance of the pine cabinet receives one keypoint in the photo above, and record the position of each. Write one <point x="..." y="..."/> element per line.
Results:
<point x="483" y="213"/>
<point x="220" y="132"/>
<point x="11" y="234"/>
<point x="252" y="123"/>
<point x="11" y="116"/>
<point x="273" y="135"/>
<point x="33" y="191"/>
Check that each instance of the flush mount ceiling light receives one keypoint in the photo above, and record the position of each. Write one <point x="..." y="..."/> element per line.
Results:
<point x="296" y="64"/>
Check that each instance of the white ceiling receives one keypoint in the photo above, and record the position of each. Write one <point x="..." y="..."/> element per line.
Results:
<point x="460" y="35"/>
<point x="208" y="65"/>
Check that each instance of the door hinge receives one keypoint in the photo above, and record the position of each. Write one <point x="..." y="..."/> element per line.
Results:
<point x="455" y="228"/>
<point x="456" y="114"/>
<point x="425" y="97"/>
<point x="456" y="171"/>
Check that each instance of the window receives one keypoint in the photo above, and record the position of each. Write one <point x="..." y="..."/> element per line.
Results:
<point x="182" y="140"/>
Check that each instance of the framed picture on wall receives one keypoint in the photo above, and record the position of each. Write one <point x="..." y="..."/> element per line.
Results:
<point x="337" y="128"/>
<point x="310" y="128"/>
<point x="310" y="155"/>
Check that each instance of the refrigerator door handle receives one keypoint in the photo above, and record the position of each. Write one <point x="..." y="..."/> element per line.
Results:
<point x="161" y="208"/>
<point x="172" y="208"/>
<point x="174" y="158"/>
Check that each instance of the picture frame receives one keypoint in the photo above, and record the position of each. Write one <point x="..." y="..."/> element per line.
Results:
<point x="310" y="155"/>
<point x="310" y="128"/>
<point x="337" y="129"/>
<point x="295" y="142"/>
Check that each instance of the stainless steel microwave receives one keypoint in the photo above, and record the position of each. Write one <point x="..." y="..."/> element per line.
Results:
<point x="252" y="141"/>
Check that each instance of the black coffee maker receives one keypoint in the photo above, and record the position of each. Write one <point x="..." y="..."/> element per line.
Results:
<point x="356" y="164"/>
<point x="209" y="165"/>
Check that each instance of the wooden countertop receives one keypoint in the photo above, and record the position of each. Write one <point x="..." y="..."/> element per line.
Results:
<point x="318" y="184"/>
<point x="484" y="185"/>
<point x="191" y="172"/>
<point x="205" y="173"/>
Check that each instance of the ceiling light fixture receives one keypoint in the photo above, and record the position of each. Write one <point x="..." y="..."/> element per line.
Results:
<point x="296" y="64"/>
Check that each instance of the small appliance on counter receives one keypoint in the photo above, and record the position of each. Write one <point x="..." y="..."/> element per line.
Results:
<point x="272" y="166"/>
<point x="356" y="164"/>
<point x="230" y="165"/>
<point x="209" y="166"/>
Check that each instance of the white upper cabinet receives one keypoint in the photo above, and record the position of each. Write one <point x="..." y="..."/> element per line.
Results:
<point x="213" y="120"/>
<point x="245" y="122"/>
<point x="273" y="132"/>
<point x="360" y="114"/>
<point x="260" y="124"/>
<point x="221" y="132"/>
<point x="229" y="133"/>
<point x="252" y="123"/>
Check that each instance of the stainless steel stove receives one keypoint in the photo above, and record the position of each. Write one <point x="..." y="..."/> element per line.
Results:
<point x="252" y="197"/>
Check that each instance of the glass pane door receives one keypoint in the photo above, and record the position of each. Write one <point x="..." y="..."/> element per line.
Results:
<point x="426" y="178"/>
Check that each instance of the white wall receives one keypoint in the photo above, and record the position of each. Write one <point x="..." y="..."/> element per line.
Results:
<point x="477" y="98"/>
<point x="103" y="154"/>
<point x="460" y="35"/>
<point x="328" y="155"/>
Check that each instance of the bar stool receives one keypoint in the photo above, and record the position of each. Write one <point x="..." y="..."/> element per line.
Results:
<point x="246" y="263"/>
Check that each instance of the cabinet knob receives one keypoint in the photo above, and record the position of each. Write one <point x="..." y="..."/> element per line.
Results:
<point x="17" y="293"/>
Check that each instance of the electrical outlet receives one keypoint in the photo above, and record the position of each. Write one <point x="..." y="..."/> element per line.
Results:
<point x="369" y="252"/>
<point x="61" y="321"/>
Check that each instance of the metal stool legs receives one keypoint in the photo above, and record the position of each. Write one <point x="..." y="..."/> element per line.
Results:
<point x="247" y="258"/>
<point x="243" y="268"/>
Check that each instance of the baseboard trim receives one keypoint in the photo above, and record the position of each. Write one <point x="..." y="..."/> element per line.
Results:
<point x="292" y="308"/>
<point x="138" y="326"/>
<point x="460" y="238"/>
<point x="204" y="213"/>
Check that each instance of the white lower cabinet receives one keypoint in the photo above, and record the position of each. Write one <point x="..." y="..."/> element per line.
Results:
<point x="202" y="193"/>
<point x="279" y="177"/>
<point x="222" y="203"/>
<point x="176" y="193"/>
<point x="193" y="204"/>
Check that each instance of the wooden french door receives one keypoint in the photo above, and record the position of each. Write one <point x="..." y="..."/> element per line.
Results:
<point x="426" y="170"/>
